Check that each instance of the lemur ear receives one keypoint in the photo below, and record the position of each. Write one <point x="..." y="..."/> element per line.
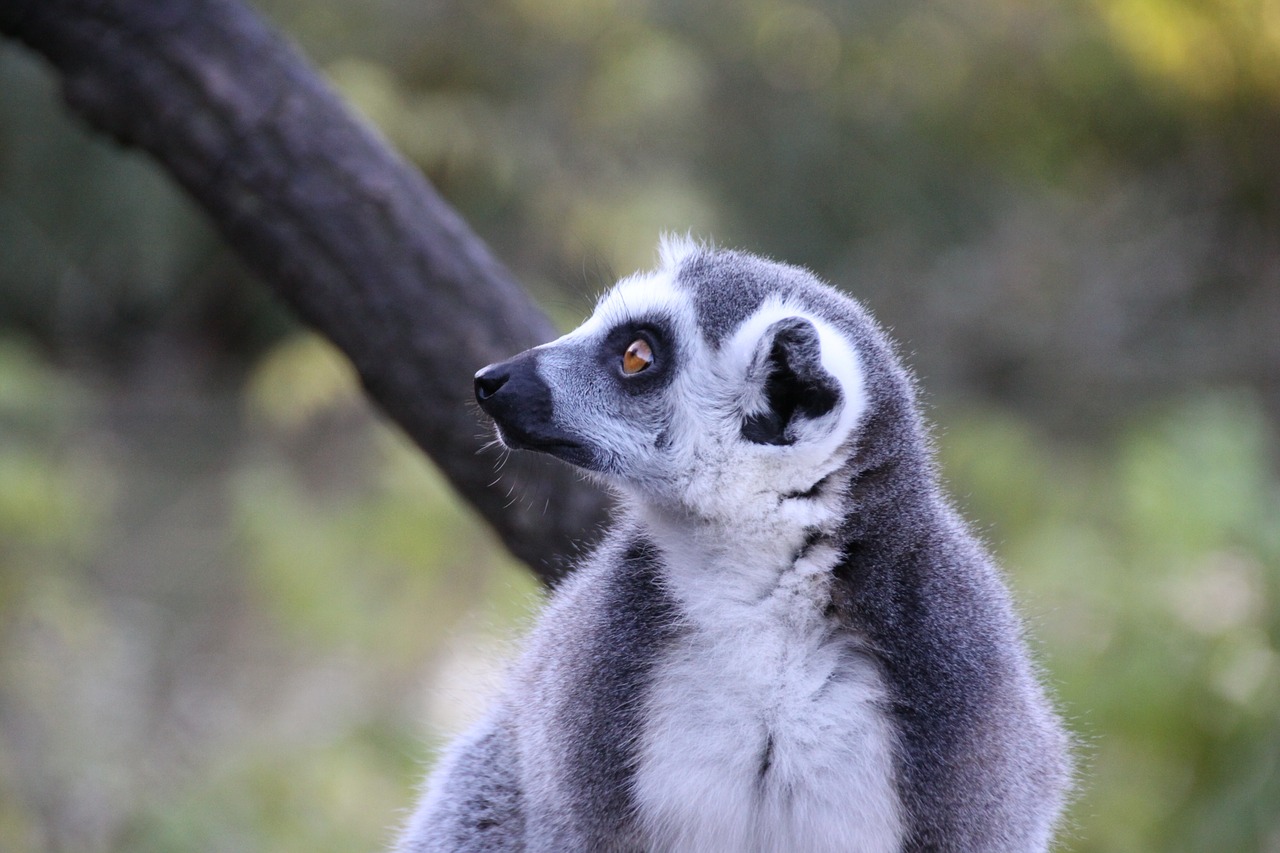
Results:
<point x="794" y="387"/>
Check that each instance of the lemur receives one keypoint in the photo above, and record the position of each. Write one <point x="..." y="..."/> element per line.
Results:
<point x="789" y="640"/>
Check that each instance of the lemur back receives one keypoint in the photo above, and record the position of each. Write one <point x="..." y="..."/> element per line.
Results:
<point x="788" y="641"/>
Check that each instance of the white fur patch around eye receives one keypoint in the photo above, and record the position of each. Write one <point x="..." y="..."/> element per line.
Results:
<point x="636" y="297"/>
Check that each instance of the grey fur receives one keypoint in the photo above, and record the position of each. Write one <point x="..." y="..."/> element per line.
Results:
<point x="981" y="762"/>
<point x="574" y="746"/>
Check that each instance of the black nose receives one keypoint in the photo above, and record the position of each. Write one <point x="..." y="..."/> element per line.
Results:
<point x="489" y="381"/>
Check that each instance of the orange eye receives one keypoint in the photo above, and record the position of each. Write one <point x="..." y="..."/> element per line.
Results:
<point x="637" y="357"/>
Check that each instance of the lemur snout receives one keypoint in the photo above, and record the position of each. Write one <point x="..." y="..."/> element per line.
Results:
<point x="505" y="387"/>
<point x="489" y="380"/>
<point x="521" y="405"/>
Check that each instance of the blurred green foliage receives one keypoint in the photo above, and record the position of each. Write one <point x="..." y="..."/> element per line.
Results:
<point x="227" y="650"/>
<point x="1150" y="570"/>
<point x="237" y="611"/>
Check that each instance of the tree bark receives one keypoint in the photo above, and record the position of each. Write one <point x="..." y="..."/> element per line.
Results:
<point x="343" y="229"/>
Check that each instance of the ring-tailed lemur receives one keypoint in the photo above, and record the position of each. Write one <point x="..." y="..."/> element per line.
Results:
<point x="790" y="642"/>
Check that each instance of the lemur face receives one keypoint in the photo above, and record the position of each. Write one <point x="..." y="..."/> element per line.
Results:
<point x="688" y="390"/>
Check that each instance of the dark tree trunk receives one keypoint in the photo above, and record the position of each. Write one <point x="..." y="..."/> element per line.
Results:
<point x="343" y="229"/>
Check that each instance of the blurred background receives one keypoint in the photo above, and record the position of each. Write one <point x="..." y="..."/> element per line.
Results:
<point x="239" y="612"/>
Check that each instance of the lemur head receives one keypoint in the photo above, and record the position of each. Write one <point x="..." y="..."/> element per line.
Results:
<point x="718" y="380"/>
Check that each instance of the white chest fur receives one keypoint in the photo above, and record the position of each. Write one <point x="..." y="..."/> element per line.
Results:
<point x="765" y="731"/>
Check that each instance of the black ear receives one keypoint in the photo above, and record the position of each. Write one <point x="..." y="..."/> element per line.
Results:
<point x="797" y="388"/>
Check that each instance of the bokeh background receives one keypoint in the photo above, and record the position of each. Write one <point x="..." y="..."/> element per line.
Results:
<point x="239" y="612"/>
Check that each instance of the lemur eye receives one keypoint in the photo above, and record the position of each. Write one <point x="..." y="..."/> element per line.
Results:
<point x="638" y="357"/>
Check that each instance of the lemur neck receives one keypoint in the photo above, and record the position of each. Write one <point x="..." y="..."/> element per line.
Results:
<point x="782" y="547"/>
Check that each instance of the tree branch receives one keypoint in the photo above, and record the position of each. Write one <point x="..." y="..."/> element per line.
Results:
<point x="343" y="229"/>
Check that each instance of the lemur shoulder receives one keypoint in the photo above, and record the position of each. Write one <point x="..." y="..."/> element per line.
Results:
<point x="788" y="641"/>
